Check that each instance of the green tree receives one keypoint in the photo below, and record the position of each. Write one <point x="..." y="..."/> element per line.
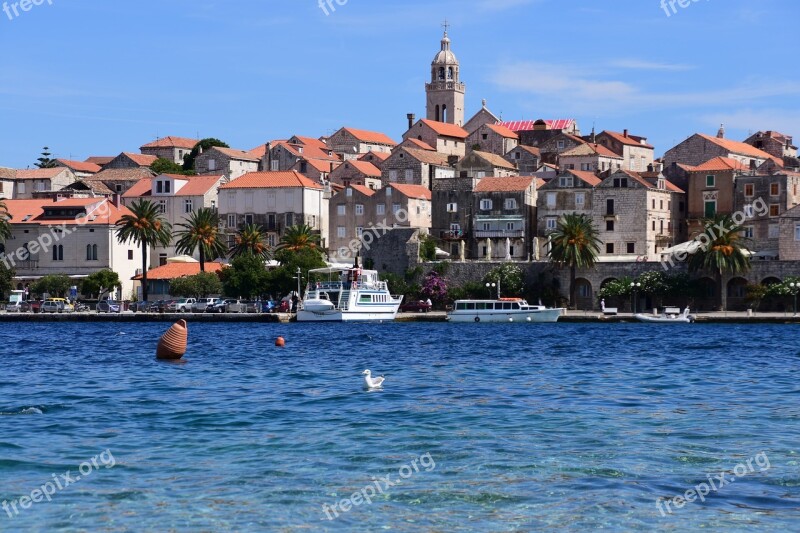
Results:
<point x="250" y="240"/>
<point x="283" y="279"/>
<point x="56" y="285"/>
<point x="427" y="249"/>
<point x="200" y="285"/>
<point x="301" y="237"/>
<point x="5" y="221"/>
<point x="165" y="166"/>
<point x="6" y="280"/>
<point x="723" y="252"/>
<point x="247" y="277"/>
<point x="100" y="283"/>
<point x="510" y="277"/>
<point x="201" y="232"/>
<point x="145" y="227"/>
<point x="205" y="144"/>
<point x="574" y="244"/>
<point x="45" y="161"/>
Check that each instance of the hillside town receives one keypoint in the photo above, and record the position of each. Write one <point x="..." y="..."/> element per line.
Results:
<point x="482" y="188"/>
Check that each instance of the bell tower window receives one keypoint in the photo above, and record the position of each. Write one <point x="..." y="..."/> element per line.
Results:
<point x="441" y="73"/>
<point x="449" y="73"/>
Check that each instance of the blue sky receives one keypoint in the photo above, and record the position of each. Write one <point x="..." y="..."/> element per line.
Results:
<point x="98" y="77"/>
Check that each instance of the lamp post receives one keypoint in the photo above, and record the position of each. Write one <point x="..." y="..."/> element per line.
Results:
<point x="635" y="288"/>
<point x="795" y="287"/>
<point x="490" y="286"/>
<point x="299" y="277"/>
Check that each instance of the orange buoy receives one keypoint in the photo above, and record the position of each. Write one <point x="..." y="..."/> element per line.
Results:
<point x="172" y="345"/>
<point x="280" y="342"/>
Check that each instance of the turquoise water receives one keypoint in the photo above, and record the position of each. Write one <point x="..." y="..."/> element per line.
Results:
<point x="512" y="427"/>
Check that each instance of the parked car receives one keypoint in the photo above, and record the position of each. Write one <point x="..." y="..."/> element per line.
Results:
<point x="56" y="305"/>
<point x="184" y="305"/>
<point x="108" y="306"/>
<point x="268" y="306"/>
<point x="204" y="304"/>
<point x="31" y="306"/>
<point x="160" y="306"/>
<point x="139" y="307"/>
<point x="419" y="306"/>
<point x="229" y="306"/>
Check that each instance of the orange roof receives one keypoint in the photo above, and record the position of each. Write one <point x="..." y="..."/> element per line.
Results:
<point x="381" y="156"/>
<point x="40" y="173"/>
<point x="101" y="211"/>
<point x="322" y="165"/>
<point x="308" y="152"/>
<point x="266" y="180"/>
<point x="446" y="130"/>
<point x="720" y="164"/>
<point x="737" y="147"/>
<point x="140" y="159"/>
<point x="311" y="141"/>
<point x="420" y="144"/>
<point x="503" y="131"/>
<point x="412" y="191"/>
<point x="370" y="136"/>
<point x="258" y="152"/>
<point x="172" y="142"/>
<point x="235" y="154"/>
<point x="179" y="270"/>
<point x="630" y="140"/>
<point x="672" y="187"/>
<point x="366" y="168"/>
<point x="196" y="186"/>
<point x="80" y="166"/>
<point x="426" y="156"/>
<point x="509" y="184"/>
<point x="586" y="177"/>
<point x="362" y="189"/>
<point x="530" y="149"/>
<point x="589" y="149"/>
<point x="99" y="160"/>
<point x="495" y="160"/>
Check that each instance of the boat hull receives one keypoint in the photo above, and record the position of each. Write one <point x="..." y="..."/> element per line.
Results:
<point x="663" y="320"/>
<point x="345" y="316"/>
<point x="489" y="317"/>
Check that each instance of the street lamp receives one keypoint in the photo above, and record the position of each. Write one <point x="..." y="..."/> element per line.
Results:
<point x="635" y="288"/>
<point x="795" y="287"/>
<point x="298" y="277"/>
<point x="490" y="286"/>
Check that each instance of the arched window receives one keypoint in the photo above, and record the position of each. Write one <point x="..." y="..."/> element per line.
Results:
<point x="91" y="252"/>
<point x="437" y="115"/>
<point x="441" y="73"/>
<point x="449" y="73"/>
<point x="444" y="113"/>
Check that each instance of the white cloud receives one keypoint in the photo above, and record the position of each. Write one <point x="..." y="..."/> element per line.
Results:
<point x="783" y="120"/>
<point x="639" y="64"/>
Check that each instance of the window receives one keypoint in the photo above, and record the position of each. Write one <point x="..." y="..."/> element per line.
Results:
<point x="380" y="209"/>
<point x="167" y="185"/>
<point x="610" y="248"/>
<point x="654" y="225"/>
<point x="359" y="231"/>
<point x="551" y="223"/>
<point x="187" y="206"/>
<point x="749" y="190"/>
<point x="455" y="228"/>
<point x="58" y="252"/>
<point x="231" y="221"/>
<point x="274" y="166"/>
<point x="359" y="210"/>
<point x="212" y="164"/>
<point x="21" y="187"/>
<point x="341" y="232"/>
<point x="631" y="247"/>
<point x="609" y="225"/>
<point x="661" y="205"/>
<point x="620" y="183"/>
<point x="452" y="208"/>
<point x="774" y="189"/>
<point x="510" y="203"/>
<point x="560" y="145"/>
<point x="388" y="191"/>
<point x="409" y="175"/>
<point x="162" y="259"/>
<point x="710" y="208"/>
<point x="271" y="222"/>
<point x="551" y="199"/>
<point x="565" y="181"/>
<point x="159" y="187"/>
<point x="91" y="252"/>
<point x="486" y="205"/>
<point x="162" y="206"/>
<point x="289" y="220"/>
<point x="393" y="176"/>
<point x="654" y="203"/>
<point x="796" y="232"/>
<point x="349" y="192"/>
<point x="248" y="220"/>
<point x="580" y="199"/>
<point x="341" y="209"/>
<point x="130" y="255"/>
<point x="748" y="232"/>
<point x="396" y="208"/>
<point x="774" y="231"/>
<point x="516" y="155"/>
<point x="609" y="207"/>
<point x="487" y="226"/>
<point x="774" y="210"/>
<point x="748" y="211"/>
<point x="710" y="180"/>
<point x="485" y="136"/>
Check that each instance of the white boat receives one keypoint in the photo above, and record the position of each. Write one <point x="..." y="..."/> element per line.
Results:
<point x="358" y="295"/>
<point x="502" y="310"/>
<point x="671" y="315"/>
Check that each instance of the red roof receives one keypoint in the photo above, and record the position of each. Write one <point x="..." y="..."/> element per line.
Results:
<point x="311" y="141"/>
<point x="503" y="131"/>
<point x="370" y="136"/>
<point x="80" y="166"/>
<point x="140" y="159"/>
<point x="412" y="191"/>
<point x="308" y="151"/>
<point x="495" y="160"/>
<point x="508" y="184"/>
<point x="589" y="149"/>
<point x="585" y="176"/>
<point x="179" y="270"/>
<point x="630" y="140"/>
<point x="737" y="147"/>
<point x="381" y="156"/>
<point x="101" y="211"/>
<point x="99" y="160"/>
<point x="266" y="180"/>
<point x="720" y="164"/>
<point x="366" y="168"/>
<point x="40" y="173"/>
<point x="362" y="189"/>
<point x="235" y="154"/>
<point x="172" y="142"/>
<point x="196" y="186"/>
<point x="527" y="125"/>
<point x="446" y="130"/>
<point x="420" y="144"/>
<point x="321" y="165"/>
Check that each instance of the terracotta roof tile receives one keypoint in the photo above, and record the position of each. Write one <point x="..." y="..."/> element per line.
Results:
<point x="590" y="150"/>
<point x="40" y="173"/>
<point x="380" y="156"/>
<point x="101" y="211"/>
<point x="425" y="156"/>
<point x="412" y="191"/>
<point x="737" y="147"/>
<point x="309" y="152"/>
<point x="495" y="160"/>
<point x="121" y="174"/>
<point x="420" y="144"/>
<point x="630" y="140"/>
<point x="530" y="149"/>
<point x="235" y="154"/>
<point x="172" y="142"/>
<point x="321" y="165"/>
<point x="503" y="131"/>
<point x="141" y="159"/>
<point x="179" y="270"/>
<point x="720" y="164"/>
<point x="373" y="137"/>
<point x="586" y="177"/>
<point x="80" y="166"/>
<point x="366" y="168"/>
<point x="362" y="189"/>
<point x="508" y="184"/>
<point x="8" y="173"/>
<point x="100" y="159"/>
<point x="196" y="186"/>
<point x="446" y="130"/>
<point x="264" y="180"/>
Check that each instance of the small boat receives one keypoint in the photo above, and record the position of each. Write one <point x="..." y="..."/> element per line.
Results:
<point x="671" y="315"/>
<point x="502" y="310"/>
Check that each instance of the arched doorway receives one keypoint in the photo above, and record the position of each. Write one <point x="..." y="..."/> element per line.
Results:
<point x="737" y="294"/>
<point x="584" y="296"/>
<point x="706" y="295"/>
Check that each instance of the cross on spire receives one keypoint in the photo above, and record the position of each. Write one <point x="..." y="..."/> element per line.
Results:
<point x="446" y="25"/>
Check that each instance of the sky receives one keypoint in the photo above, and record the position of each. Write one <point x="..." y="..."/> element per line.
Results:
<point x="99" y="77"/>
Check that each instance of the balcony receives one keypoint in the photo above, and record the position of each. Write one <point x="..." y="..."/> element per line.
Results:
<point x="500" y="234"/>
<point x="453" y="235"/>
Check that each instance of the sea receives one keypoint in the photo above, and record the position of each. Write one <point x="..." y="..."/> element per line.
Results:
<point x="478" y="427"/>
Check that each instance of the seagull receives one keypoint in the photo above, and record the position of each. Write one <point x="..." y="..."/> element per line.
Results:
<point x="370" y="382"/>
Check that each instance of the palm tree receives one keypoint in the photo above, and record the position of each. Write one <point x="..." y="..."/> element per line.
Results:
<point x="298" y="238"/>
<point x="146" y="227"/>
<point x="249" y="240"/>
<point x="723" y="251"/>
<point x="201" y="231"/>
<point x="5" y="224"/>
<point x="574" y="243"/>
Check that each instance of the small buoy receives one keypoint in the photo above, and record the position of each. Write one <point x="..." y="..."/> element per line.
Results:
<point x="280" y="342"/>
<point x="511" y="320"/>
<point x="529" y="319"/>
<point x="172" y="345"/>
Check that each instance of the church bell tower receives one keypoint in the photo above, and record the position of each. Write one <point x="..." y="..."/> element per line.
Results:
<point x="445" y="92"/>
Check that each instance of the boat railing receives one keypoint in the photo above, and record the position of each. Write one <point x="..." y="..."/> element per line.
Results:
<point x="325" y="286"/>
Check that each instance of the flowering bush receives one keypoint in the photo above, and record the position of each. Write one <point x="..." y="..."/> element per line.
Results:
<point x="434" y="287"/>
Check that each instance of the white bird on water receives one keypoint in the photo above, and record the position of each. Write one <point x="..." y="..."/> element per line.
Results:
<point x="370" y="382"/>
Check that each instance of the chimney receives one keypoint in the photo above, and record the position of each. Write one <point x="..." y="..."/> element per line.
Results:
<point x="625" y="133"/>
<point x="411" y="117"/>
<point x="721" y="132"/>
<point x="116" y="200"/>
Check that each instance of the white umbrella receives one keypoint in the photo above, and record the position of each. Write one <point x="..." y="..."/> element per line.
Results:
<point x="441" y="253"/>
<point x="508" y="249"/>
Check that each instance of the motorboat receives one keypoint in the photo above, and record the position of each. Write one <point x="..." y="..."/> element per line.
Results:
<point x="502" y="310"/>
<point x="671" y="315"/>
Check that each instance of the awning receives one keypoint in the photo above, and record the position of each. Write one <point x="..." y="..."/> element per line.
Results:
<point x="441" y="253"/>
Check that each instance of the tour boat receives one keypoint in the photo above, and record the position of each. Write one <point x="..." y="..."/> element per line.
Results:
<point x="502" y="310"/>
<point x="358" y="295"/>
<point x="669" y="316"/>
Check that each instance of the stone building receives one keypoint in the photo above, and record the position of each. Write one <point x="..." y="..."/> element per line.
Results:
<point x="445" y="138"/>
<point x="774" y="143"/>
<point x="415" y="167"/>
<point x="177" y="197"/>
<point x="356" y="172"/>
<point x="711" y="191"/>
<point x="552" y="149"/>
<point x="128" y="160"/>
<point x="318" y="170"/>
<point x="348" y="214"/>
<point x="376" y="158"/>
<point x="763" y="199"/>
<point x="590" y="157"/>
<point x="483" y="164"/>
<point x="170" y="148"/>
<point x="636" y="154"/>
<point x="284" y="155"/>
<point x="700" y="148"/>
<point x="41" y="181"/>
<point x="537" y="132"/>
<point x="274" y="201"/>
<point x="569" y="192"/>
<point x="350" y="143"/>
<point x="504" y="215"/>
<point x="493" y="138"/>
<point x="636" y="218"/>
<point x="109" y="182"/>
<point x="452" y="200"/>
<point x="527" y="159"/>
<point x="482" y="117"/>
<point x="445" y="92"/>
<point x="228" y="161"/>
<point x="81" y="169"/>
<point x="789" y="235"/>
